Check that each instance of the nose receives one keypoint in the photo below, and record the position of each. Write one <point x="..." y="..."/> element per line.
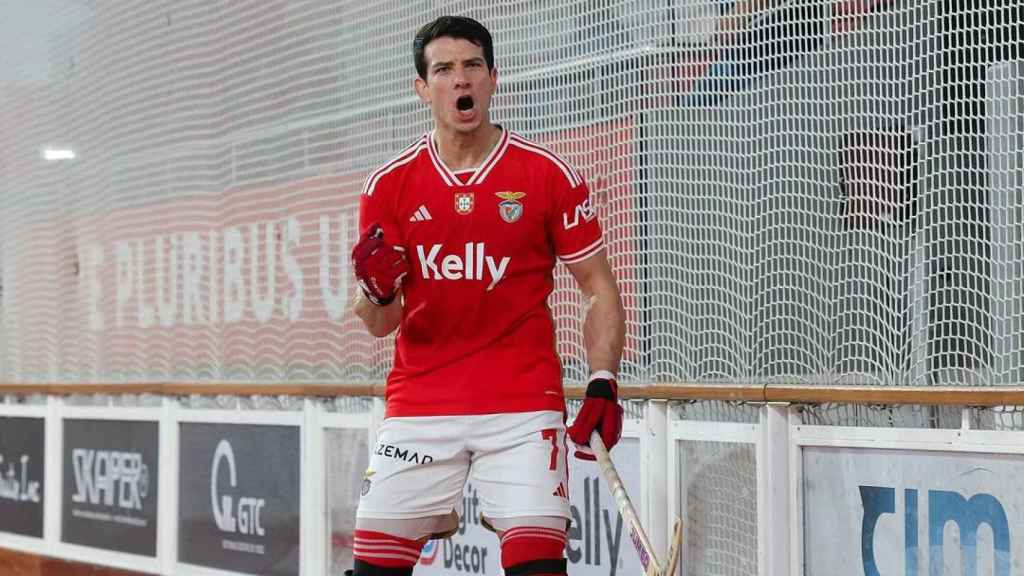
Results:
<point x="461" y="78"/>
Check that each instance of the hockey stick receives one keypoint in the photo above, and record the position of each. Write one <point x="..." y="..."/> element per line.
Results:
<point x="675" y="549"/>
<point x="648" y="559"/>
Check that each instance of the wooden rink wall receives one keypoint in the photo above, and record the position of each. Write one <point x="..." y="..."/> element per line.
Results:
<point x="21" y="564"/>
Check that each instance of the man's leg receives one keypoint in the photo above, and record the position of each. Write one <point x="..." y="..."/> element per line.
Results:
<point x="532" y="545"/>
<point x="392" y="547"/>
<point x="519" y="468"/>
<point x="384" y="554"/>
<point x="413" y="483"/>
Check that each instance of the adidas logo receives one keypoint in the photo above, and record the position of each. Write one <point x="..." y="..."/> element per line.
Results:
<point x="560" y="491"/>
<point x="421" y="215"/>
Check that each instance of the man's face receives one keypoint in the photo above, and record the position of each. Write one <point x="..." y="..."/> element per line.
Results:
<point x="459" y="86"/>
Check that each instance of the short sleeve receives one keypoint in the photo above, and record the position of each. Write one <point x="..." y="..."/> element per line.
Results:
<point x="376" y="207"/>
<point x="574" y="226"/>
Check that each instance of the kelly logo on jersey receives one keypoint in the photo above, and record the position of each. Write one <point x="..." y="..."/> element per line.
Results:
<point x="474" y="265"/>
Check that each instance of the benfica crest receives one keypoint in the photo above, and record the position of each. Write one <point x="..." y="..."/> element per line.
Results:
<point x="510" y="209"/>
<point x="463" y="202"/>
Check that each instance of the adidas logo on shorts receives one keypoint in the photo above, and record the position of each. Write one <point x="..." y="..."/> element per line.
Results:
<point x="561" y="491"/>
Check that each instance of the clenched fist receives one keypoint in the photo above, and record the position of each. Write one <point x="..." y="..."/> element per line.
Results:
<point x="379" y="267"/>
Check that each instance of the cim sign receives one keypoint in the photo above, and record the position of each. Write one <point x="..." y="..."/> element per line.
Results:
<point x="943" y="507"/>
<point x="911" y="513"/>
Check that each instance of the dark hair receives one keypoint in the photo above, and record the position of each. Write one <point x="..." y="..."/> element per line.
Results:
<point x="453" y="27"/>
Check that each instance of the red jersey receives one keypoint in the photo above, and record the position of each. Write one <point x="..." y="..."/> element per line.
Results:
<point x="476" y="335"/>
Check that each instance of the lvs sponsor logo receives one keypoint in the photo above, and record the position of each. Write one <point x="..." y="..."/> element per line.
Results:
<point x="584" y="212"/>
<point x="14" y="483"/>
<point x="243" y="517"/>
<point x="110" y="478"/>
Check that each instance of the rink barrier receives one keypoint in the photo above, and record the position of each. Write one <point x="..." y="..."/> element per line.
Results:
<point x="787" y="450"/>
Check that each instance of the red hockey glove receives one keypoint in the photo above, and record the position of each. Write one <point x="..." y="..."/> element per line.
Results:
<point x="601" y="412"/>
<point x="379" y="267"/>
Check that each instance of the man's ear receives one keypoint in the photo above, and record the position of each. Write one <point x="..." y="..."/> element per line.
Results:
<point x="420" y="86"/>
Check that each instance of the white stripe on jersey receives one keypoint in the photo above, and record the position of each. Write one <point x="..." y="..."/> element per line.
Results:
<point x="491" y="160"/>
<point x="435" y="157"/>
<point x="570" y="173"/>
<point x="479" y="173"/>
<point x="405" y="157"/>
<point x="581" y="255"/>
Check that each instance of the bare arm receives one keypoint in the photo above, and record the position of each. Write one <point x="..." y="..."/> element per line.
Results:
<point x="604" y="327"/>
<point x="379" y="320"/>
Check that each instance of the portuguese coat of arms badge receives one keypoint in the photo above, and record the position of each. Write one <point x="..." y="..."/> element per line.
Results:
<point x="463" y="202"/>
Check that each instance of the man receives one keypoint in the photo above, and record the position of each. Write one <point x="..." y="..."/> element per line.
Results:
<point x="459" y="237"/>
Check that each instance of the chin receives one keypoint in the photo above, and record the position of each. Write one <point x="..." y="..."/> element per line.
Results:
<point x="468" y="127"/>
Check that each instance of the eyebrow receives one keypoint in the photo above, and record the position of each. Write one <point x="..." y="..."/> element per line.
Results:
<point x="474" y="60"/>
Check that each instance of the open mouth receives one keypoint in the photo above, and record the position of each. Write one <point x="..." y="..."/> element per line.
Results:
<point x="464" y="103"/>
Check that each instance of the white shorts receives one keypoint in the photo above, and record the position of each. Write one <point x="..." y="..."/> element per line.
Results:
<point x="516" y="464"/>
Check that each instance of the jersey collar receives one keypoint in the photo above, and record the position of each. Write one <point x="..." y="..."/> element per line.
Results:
<point x="481" y="172"/>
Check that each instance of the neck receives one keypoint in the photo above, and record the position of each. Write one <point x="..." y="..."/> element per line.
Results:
<point x="461" y="151"/>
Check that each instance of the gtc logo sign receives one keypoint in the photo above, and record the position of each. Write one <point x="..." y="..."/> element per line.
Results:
<point x="943" y="507"/>
<point x="248" y="510"/>
<point x="110" y="478"/>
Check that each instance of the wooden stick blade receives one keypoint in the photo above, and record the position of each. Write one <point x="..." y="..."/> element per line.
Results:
<point x="675" y="549"/>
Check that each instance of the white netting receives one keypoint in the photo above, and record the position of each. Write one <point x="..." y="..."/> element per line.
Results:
<point x="793" y="190"/>
<point x="720" y="503"/>
<point x="803" y="190"/>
